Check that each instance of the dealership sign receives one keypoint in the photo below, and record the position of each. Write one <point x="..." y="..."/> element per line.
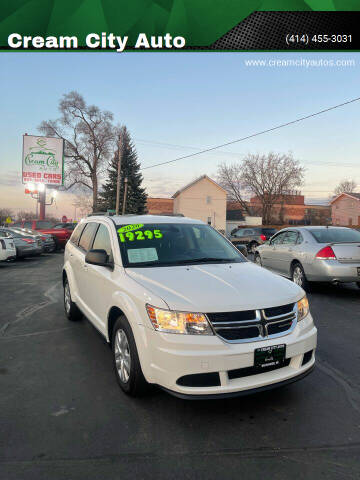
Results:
<point x="43" y="160"/>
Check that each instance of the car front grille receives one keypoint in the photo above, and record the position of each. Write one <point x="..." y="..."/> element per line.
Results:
<point x="254" y="325"/>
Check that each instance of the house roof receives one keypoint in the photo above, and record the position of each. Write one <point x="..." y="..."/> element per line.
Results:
<point x="352" y="195"/>
<point x="196" y="181"/>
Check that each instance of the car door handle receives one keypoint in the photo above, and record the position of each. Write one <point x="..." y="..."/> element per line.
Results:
<point x="290" y="249"/>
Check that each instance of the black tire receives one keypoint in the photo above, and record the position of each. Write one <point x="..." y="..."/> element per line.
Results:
<point x="257" y="259"/>
<point x="298" y="276"/>
<point x="71" y="310"/>
<point x="135" y="385"/>
<point x="252" y="247"/>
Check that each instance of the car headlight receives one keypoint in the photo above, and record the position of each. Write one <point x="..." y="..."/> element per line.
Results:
<point x="303" y="308"/>
<point x="170" y="321"/>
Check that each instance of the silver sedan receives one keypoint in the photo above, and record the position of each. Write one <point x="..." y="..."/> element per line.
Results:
<point x="313" y="254"/>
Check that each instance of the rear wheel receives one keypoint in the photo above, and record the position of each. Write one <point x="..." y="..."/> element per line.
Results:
<point x="71" y="310"/>
<point x="126" y="360"/>
<point x="298" y="276"/>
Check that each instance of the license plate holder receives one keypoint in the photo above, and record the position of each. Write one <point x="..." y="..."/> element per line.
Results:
<point x="269" y="356"/>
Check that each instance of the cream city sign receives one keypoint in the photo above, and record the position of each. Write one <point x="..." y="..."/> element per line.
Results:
<point x="43" y="160"/>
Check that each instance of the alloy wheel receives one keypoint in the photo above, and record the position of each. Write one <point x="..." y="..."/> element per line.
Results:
<point x="298" y="276"/>
<point x="122" y="355"/>
<point x="67" y="297"/>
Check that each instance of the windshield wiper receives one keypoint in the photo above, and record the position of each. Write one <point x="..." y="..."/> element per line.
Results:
<point x="205" y="260"/>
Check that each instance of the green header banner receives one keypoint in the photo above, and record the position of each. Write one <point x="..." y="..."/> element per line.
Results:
<point x="121" y="25"/>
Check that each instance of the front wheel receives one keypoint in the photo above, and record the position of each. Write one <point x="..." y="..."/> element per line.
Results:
<point x="252" y="247"/>
<point x="298" y="276"/>
<point x="126" y="360"/>
<point x="257" y="259"/>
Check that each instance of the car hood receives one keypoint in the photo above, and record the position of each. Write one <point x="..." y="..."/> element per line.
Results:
<point x="217" y="287"/>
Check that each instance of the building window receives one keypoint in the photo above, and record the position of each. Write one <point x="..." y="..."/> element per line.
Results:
<point x="208" y="199"/>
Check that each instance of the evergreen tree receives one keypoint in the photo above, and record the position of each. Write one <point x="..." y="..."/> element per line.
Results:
<point x="130" y="168"/>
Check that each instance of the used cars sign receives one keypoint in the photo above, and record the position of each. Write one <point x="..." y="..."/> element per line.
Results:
<point x="43" y="160"/>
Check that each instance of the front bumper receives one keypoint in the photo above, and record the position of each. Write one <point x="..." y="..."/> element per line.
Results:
<point x="333" y="271"/>
<point x="174" y="356"/>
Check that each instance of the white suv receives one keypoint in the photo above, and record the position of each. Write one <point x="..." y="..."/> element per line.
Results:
<point x="183" y="309"/>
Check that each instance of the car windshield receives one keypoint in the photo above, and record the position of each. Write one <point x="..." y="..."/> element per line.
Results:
<point x="336" y="235"/>
<point x="164" y="244"/>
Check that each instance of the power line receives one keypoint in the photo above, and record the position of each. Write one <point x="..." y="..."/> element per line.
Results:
<point x="254" y="134"/>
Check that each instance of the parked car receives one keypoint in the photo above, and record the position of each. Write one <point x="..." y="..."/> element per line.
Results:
<point x="183" y="309"/>
<point x="60" y="235"/>
<point x="26" y="245"/>
<point x="47" y="241"/>
<point x="251" y="237"/>
<point x="7" y="247"/>
<point x="313" y="254"/>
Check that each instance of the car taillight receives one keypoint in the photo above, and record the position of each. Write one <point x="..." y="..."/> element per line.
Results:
<point x="263" y="238"/>
<point x="28" y="240"/>
<point x="326" y="253"/>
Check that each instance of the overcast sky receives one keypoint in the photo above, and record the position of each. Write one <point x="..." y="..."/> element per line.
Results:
<point x="176" y="103"/>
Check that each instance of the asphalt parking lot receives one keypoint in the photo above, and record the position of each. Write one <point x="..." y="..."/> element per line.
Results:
<point x="62" y="415"/>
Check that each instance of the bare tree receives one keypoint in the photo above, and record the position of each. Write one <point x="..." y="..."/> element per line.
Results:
<point x="24" y="215"/>
<point x="270" y="177"/>
<point x="82" y="205"/>
<point x="230" y="178"/>
<point x="345" y="186"/>
<point x="89" y="136"/>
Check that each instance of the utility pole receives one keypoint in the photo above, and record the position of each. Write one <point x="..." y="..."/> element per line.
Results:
<point x="118" y="180"/>
<point x="42" y="201"/>
<point x="125" y="194"/>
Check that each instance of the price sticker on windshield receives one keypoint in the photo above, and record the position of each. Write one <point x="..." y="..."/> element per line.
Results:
<point x="131" y="233"/>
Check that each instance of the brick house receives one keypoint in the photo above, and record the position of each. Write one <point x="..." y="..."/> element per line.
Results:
<point x="290" y="209"/>
<point x="160" y="206"/>
<point x="345" y="209"/>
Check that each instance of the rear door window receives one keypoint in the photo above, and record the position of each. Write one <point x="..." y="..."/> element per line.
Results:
<point x="290" y="238"/>
<point x="76" y="233"/>
<point x="87" y="236"/>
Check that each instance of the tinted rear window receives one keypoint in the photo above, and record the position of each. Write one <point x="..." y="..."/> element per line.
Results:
<point x="269" y="231"/>
<point x="44" y="224"/>
<point x="329" y="235"/>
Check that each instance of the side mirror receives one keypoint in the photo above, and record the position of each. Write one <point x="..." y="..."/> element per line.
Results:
<point x="98" y="257"/>
<point x="242" y="249"/>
